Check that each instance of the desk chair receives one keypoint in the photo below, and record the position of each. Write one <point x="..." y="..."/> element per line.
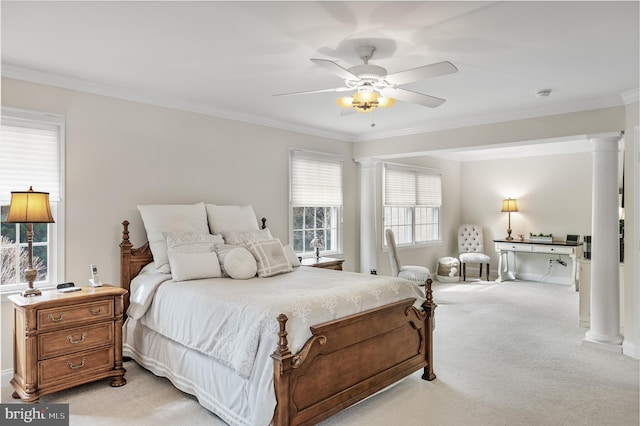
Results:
<point x="408" y="272"/>
<point x="471" y="249"/>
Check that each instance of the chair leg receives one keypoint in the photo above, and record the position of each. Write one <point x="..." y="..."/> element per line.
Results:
<point x="464" y="272"/>
<point x="480" y="274"/>
<point x="487" y="272"/>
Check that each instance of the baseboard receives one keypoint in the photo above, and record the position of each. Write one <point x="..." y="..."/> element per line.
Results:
<point x="630" y="349"/>
<point x="6" y="377"/>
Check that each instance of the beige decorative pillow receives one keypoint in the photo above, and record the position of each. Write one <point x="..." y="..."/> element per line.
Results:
<point x="291" y="255"/>
<point x="270" y="257"/>
<point x="194" y="266"/>
<point x="192" y="255"/>
<point x="238" y="263"/>
<point x="242" y="237"/>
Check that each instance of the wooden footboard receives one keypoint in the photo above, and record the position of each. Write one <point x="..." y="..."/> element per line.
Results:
<point x="349" y="359"/>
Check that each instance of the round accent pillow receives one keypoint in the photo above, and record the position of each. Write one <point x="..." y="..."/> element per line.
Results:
<point x="240" y="264"/>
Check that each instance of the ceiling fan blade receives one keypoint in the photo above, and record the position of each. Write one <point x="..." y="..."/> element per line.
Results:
<point x="337" y="89"/>
<point x="414" y="97"/>
<point x="422" y="73"/>
<point x="343" y="73"/>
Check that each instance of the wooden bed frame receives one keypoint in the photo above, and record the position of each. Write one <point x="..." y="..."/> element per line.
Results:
<point x="345" y="361"/>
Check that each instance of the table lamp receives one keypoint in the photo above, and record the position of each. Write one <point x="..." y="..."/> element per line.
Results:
<point x="30" y="207"/>
<point x="509" y="205"/>
<point x="317" y="244"/>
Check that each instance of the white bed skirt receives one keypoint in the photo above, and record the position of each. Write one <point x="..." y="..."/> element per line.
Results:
<point x="219" y="389"/>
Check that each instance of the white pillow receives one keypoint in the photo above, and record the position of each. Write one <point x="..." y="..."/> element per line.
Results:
<point x="270" y="257"/>
<point x="239" y="264"/>
<point x="194" y="266"/>
<point x="159" y="218"/>
<point x="241" y="237"/>
<point x="231" y="218"/>
<point x="291" y="255"/>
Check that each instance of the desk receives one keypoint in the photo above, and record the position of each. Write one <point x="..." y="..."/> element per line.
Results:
<point x="504" y="247"/>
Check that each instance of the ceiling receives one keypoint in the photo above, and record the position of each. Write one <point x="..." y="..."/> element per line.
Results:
<point x="228" y="59"/>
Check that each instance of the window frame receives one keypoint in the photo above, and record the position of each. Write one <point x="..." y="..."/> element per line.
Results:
<point x="410" y="210"/>
<point x="337" y="208"/>
<point x="55" y="256"/>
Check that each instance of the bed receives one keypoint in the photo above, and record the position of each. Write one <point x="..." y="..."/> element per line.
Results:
<point x="317" y="340"/>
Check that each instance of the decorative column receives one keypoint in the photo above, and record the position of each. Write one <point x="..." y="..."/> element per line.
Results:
<point x="605" y="258"/>
<point x="368" y="235"/>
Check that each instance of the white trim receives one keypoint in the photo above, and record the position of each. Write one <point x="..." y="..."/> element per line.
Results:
<point x="631" y="343"/>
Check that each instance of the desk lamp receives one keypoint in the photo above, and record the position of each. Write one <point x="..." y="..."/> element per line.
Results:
<point x="509" y="205"/>
<point x="30" y="207"/>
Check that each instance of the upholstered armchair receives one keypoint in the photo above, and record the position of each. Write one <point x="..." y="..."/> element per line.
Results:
<point x="408" y="272"/>
<point x="471" y="249"/>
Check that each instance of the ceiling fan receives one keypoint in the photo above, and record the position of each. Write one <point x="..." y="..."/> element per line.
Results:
<point x="374" y="88"/>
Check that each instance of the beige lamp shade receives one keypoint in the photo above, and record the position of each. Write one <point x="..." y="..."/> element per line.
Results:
<point x="509" y="205"/>
<point x="29" y="207"/>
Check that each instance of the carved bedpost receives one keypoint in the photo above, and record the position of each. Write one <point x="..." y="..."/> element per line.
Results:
<point x="429" y="307"/>
<point x="282" y="362"/>
<point x="125" y="261"/>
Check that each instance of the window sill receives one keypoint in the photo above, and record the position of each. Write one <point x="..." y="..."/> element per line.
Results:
<point x="414" y="246"/>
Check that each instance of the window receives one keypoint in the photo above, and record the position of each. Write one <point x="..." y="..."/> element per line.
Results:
<point x="412" y="202"/>
<point x="316" y="201"/>
<point x="31" y="153"/>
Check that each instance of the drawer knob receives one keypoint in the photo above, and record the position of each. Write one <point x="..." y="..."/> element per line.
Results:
<point x="75" y="342"/>
<point x="95" y="311"/>
<point x="70" y="364"/>
<point x="54" y="319"/>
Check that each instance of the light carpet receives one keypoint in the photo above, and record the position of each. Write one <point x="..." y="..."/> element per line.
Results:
<point x="505" y="354"/>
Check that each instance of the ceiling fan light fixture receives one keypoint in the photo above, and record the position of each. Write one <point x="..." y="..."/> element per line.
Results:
<point x="365" y="96"/>
<point x="345" y="102"/>
<point x="386" y="102"/>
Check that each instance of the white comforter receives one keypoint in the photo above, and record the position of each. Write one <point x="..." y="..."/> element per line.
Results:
<point x="229" y="319"/>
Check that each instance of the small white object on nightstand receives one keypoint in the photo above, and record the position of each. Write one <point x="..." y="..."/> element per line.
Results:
<point x="95" y="278"/>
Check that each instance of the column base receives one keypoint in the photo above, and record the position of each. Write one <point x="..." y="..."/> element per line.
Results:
<point x="607" y="343"/>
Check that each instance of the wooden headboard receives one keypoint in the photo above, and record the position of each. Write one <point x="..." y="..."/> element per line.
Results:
<point x="133" y="259"/>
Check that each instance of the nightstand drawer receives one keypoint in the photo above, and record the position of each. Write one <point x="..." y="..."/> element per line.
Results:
<point x="69" y="366"/>
<point x="68" y="315"/>
<point x="74" y="340"/>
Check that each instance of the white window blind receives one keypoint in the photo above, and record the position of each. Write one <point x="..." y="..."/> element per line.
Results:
<point x="316" y="179"/>
<point x="29" y="156"/>
<point x="407" y="186"/>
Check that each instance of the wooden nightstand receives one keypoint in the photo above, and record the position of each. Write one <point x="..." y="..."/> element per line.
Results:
<point x="64" y="340"/>
<point x="323" y="262"/>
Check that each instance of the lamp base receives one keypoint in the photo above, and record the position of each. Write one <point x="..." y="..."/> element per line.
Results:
<point x="28" y="292"/>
